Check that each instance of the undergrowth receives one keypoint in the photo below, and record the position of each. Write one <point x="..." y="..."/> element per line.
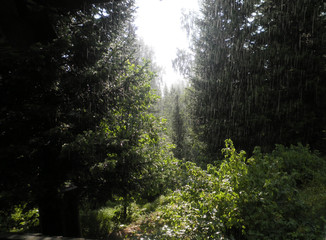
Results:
<point x="280" y="195"/>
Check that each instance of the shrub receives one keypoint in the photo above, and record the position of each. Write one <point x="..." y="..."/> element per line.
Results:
<point x="276" y="205"/>
<point x="268" y="196"/>
<point x="98" y="224"/>
<point x="20" y="218"/>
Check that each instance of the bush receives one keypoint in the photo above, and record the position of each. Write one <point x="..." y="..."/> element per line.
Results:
<point x="105" y="222"/>
<point x="268" y="196"/>
<point x="98" y="224"/>
<point x="20" y="218"/>
<point x="276" y="205"/>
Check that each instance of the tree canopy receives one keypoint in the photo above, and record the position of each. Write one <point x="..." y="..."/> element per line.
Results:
<point x="84" y="121"/>
<point x="257" y="75"/>
<point x="66" y="119"/>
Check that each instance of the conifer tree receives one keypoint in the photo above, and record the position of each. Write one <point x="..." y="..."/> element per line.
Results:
<point x="257" y="74"/>
<point x="56" y="97"/>
<point x="178" y="130"/>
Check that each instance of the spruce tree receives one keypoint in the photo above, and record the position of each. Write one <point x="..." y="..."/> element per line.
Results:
<point x="51" y="94"/>
<point x="257" y="74"/>
<point x="178" y="133"/>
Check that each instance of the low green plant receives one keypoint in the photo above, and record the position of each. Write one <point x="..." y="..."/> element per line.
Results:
<point x="20" y="218"/>
<point x="267" y="196"/>
<point x="276" y="205"/>
<point x="98" y="224"/>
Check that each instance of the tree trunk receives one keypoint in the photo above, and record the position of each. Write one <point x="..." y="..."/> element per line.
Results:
<point x="59" y="213"/>
<point x="50" y="214"/>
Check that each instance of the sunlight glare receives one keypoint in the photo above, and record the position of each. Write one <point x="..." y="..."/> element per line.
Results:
<point x="159" y="25"/>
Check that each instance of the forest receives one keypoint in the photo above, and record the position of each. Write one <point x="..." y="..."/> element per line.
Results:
<point x="94" y="145"/>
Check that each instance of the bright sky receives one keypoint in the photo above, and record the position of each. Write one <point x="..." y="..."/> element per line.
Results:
<point x="159" y="25"/>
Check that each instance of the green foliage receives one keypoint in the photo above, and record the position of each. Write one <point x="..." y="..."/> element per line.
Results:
<point x="140" y="153"/>
<point x="128" y="155"/>
<point x="262" y="197"/>
<point x="279" y="183"/>
<point x="207" y="205"/>
<point x="178" y="128"/>
<point x="256" y="73"/>
<point x="175" y="107"/>
<point x="98" y="224"/>
<point x="107" y="221"/>
<point x="54" y="97"/>
<point x="19" y="219"/>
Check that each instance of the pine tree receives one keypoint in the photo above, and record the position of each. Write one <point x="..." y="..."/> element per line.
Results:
<point x="52" y="94"/>
<point x="178" y="133"/>
<point x="257" y="74"/>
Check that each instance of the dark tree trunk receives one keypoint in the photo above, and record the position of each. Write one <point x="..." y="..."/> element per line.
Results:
<point x="50" y="214"/>
<point x="70" y="213"/>
<point x="59" y="213"/>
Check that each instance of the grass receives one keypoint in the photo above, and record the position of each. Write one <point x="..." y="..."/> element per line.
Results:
<point x="107" y="222"/>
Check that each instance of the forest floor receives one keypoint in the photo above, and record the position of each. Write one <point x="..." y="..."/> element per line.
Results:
<point x="145" y="226"/>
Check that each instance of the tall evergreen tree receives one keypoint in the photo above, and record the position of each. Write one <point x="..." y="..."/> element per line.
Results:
<point x="257" y="76"/>
<point x="178" y="132"/>
<point x="289" y="52"/>
<point x="219" y="49"/>
<point x="53" y="93"/>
